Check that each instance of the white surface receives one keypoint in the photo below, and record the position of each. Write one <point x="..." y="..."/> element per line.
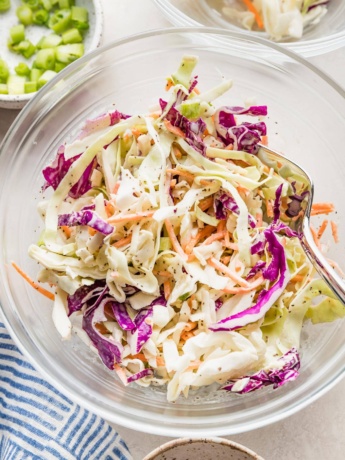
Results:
<point x="315" y="433"/>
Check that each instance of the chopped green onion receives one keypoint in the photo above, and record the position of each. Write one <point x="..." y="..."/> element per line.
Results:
<point x="3" y="88"/>
<point x="79" y="17"/>
<point x="33" y="4"/>
<point x="5" y="5"/>
<point x="17" y="33"/>
<point x="59" y="66"/>
<point x="60" y="21"/>
<point x="26" y="48"/>
<point x="47" y="4"/>
<point x="50" y="41"/>
<point x="4" y="71"/>
<point x="69" y="53"/>
<point x="41" y="17"/>
<point x="35" y="74"/>
<point x="72" y="36"/>
<point x="22" y="69"/>
<point x="47" y="76"/>
<point x="64" y="4"/>
<point x="16" y="84"/>
<point x="45" y="59"/>
<point x="24" y="14"/>
<point x="30" y="86"/>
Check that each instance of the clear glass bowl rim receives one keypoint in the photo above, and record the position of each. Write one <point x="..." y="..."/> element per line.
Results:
<point x="24" y="342"/>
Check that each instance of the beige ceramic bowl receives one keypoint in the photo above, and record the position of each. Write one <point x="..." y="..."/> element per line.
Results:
<point x="202" y="449"/>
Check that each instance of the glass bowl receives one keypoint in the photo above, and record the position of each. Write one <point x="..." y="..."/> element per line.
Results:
<point x="324" y="37"/>
<point x="306" y="117"/>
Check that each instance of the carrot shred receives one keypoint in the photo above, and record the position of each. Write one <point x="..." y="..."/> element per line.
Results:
<point x="116" y="187"/>
<point x="229" y="147"/>
<point x="225" y="260"/>
<point x="203" y="233"/>
<point x="215" y="237"/>
<point x="321" y="208"/>
<point x="140" y="356"/>
<point x="123" y="242"/>
<point x="229" y="273"/>
<point x="221" y="226"/>
<point x="190" y="326"/>
<point x="253" y="10"/>
<point x="121" y="373"/>
<point x="67" y="231"/>
<point x="109" y="209"/>
<point x="130" y="217"/>
<point x="164" y="273"/>
<point x="169" y="84"/>
<point x="322" y="228"/>
<point x="174" y="241"/>
<point x="269" y="208"/>
<point x="243" y="290"/>
<point x="264" y="140"/>
<point x="167" y="289"/>
<point x="186" y="335"/>
<point x="206" y="203"/>
<point x="36" y="286"/>
<point x="179" y="172"/>
<point x="335" y="234"/>
<point x="91" y="231"/>
<point x="160" y="361"/>
<point x="174" y="129"/>
<point x="315" y="238"/>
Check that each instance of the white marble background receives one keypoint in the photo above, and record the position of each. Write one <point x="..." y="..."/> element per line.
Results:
<point x="316" y="432"/>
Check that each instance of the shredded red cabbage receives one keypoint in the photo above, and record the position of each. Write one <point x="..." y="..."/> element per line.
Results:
<point x="290" y="365"/>
<point x="85" y="217"/>
<point x="140" y="375"/>
<point x="267" y="298"/>
<point x="224" y="202"/>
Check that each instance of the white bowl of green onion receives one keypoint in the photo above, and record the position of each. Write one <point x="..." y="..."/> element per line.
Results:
<point x="38" y="39"/>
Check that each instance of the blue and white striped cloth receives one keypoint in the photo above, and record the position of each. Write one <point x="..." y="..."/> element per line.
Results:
<point x="37" y="422"/>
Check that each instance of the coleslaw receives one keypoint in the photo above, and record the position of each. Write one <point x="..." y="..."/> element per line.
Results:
<point x="281" y="19"/>
<point x="168" y="243"/>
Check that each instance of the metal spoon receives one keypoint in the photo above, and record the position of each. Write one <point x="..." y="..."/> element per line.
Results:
<point x="301" y="223"/>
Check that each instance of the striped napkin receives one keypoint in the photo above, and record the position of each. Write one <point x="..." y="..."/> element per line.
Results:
<point x="37" y="422"/>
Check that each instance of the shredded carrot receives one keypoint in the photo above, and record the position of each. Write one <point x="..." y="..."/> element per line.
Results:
<point x="140" y="356"/>
<point x="258" y="218"/>
<point x="173" y="182"/>
<point x="229" y="147"/>
<point x="174" y="241"/>
<point x="109" y="209"/>
<point x="206" y="203"/>
<point x="160" y="361"/>
<point x="180" y="172"/>
<point x="226" y="270"/>
<point x="203" y="233"/>
<point x="186" y="335"/>
<point x="321" y="208"/>
<point x="264" y="140"/>
<point x="174" y="129"/>
<point x="116" y="187"/>
<point x="244" y="290"/>
<point x="177" y="152"/>
<point x="322" y="228"/>
<point x="215" y="237"/>
<point x="253" y="10"/>
<point x="36" y="286"/>
<point x="315" y="238"/>
<point x="269" y="208"/>
<point x="193" y="365"/>
<point x="164" y="273"/>
<point x="101" y="328"/>
<point x="242" y="189"/>
<point x="167" y="289"/>
<point x="136" y="133"/>
<point x="155" y="115"/>
<point x="335" y="234"/>
<point x="297" y="278"/>
<point x="228" y="244"/>
<point x="91" y="231"/>
<point x="130" y="217"/>
<point x="67" y="231"/>
<point x="205" y="182"/>
<point x="221" y="226"/>
<point x="190" y="326"/>
<point x="196" y="90"/>
<point x="190" y="300"/>
<point x="169" y="84"/>
<point x="123" y="242"/>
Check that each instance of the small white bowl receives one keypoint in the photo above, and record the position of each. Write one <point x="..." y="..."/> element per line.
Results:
<point x="93" y="39"/>
<point x="202" y="449"/>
